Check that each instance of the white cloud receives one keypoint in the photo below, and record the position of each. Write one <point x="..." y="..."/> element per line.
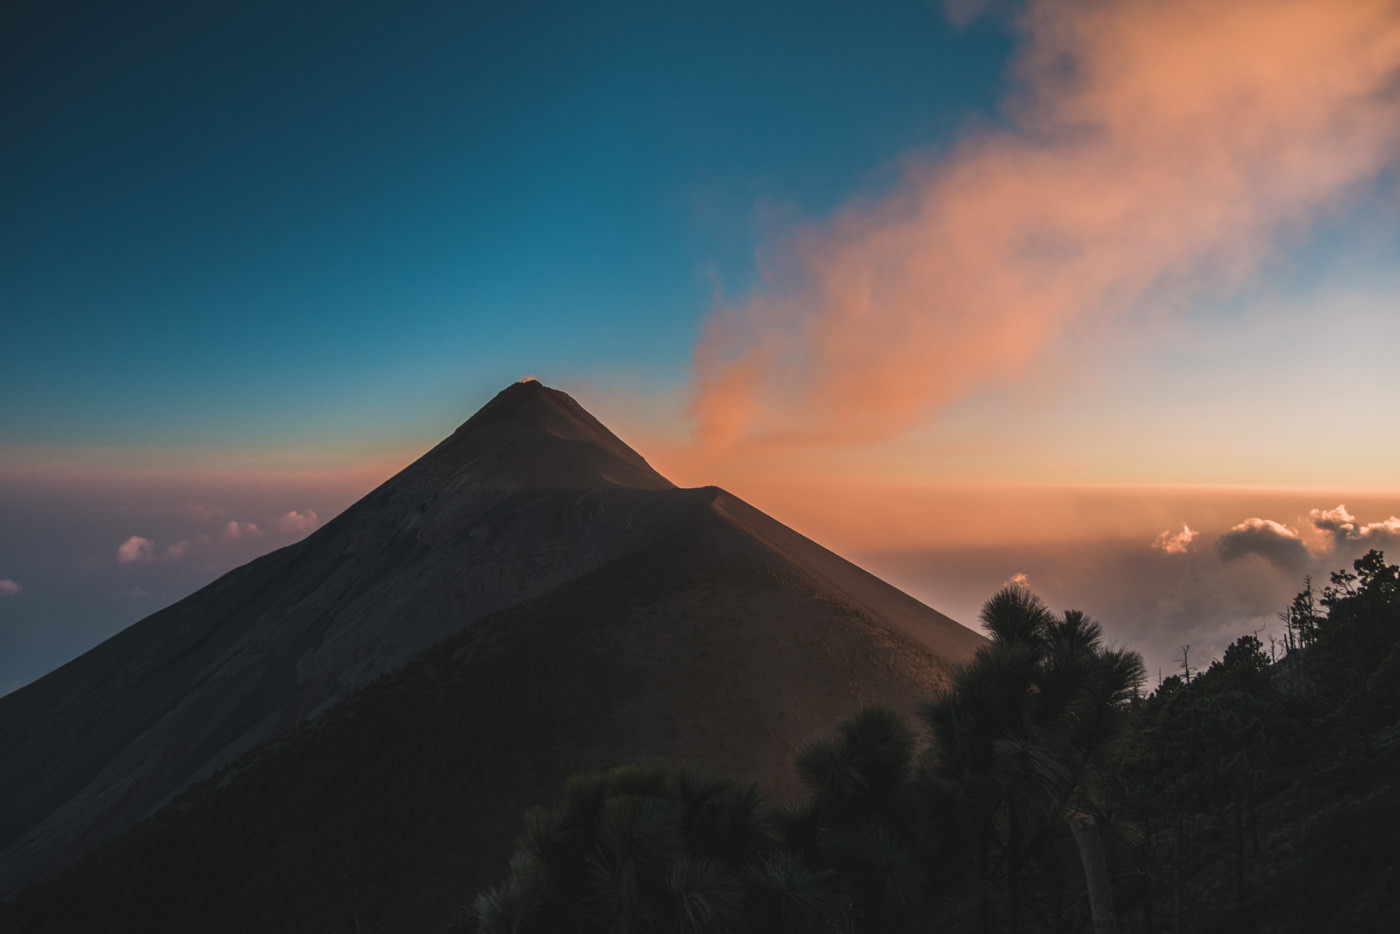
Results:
<point x="135" y="548"/>
<point x="177" y="550"/>
<point x="9" y="588"/>
<point x="298" y="522"/>
<point x="1019" y="579"/>
<point x="1176" y="543"/>
<point x="236" y="529"/>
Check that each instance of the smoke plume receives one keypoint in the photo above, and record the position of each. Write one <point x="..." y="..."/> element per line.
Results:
<point x="1153" y="150"/>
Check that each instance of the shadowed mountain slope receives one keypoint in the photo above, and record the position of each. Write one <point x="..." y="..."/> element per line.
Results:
<point x="593" y="614"/>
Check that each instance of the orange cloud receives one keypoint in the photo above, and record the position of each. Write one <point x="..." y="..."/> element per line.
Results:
<point x="1175" y="543"/>
<point x="1156" y="149"/>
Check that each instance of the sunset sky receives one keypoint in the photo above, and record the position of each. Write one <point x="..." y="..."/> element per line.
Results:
<point x="1100" y="296"/>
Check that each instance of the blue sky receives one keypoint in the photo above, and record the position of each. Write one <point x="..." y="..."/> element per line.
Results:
<point x="235" y="223"/>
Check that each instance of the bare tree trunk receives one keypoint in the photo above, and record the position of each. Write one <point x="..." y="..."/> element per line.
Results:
<point x="1086" y="837"/>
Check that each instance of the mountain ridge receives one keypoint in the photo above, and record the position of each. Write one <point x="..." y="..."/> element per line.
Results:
<point x="524" y="497"/>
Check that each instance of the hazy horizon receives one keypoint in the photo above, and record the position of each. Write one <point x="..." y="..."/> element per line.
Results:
<point x="136" y="541"/>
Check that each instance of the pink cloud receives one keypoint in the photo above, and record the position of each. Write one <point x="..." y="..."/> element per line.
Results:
<point x="1155" y="150"/>
<point x="236" y="530"/>
<point x="135" y="548"/>
<point x="1344" y="528"/>
<point x="1175" y="543"/>
<point x="9" y="588"/>
<point x="298" y="522"/>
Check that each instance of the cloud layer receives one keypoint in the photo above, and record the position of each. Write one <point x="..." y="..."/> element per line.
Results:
<point x="1204" y="597"/>
<point x="9" y="588"/>
<point x="1155" y="148"/>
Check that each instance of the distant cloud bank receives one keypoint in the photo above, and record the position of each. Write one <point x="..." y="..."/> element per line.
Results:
<point x="9" y="588"/>
<point x="1284" y="547"/>
<point x="140" y="549"/>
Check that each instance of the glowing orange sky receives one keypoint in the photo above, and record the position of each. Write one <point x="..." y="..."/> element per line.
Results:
<point x="1159" y="153"/>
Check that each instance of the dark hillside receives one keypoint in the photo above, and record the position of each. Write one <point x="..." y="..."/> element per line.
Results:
<point x="709" y="646"/>
<point x="530" y="492"/>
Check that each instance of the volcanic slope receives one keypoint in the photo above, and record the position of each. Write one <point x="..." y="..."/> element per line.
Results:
<point x="593" y="614"/>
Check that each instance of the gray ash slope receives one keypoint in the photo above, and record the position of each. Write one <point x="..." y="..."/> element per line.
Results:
<point x="528" y="495"/>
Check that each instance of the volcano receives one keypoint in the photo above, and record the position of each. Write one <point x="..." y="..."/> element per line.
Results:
<point x="529" y="598"/>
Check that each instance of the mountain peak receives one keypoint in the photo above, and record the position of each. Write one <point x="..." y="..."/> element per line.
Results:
<point x="535" y="437"/>
<point x="613" y="617"/>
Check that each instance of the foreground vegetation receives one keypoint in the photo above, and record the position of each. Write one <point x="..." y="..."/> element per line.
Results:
<point x="1257" y="795"/>
<point x="1051" y="796"/>
<point x="1263" y="793"/>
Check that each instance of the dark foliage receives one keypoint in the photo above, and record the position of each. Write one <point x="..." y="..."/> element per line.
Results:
<point x="976" y="836"/>
<point x="1266" y="791"/>
<point x="655" y="849"/>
